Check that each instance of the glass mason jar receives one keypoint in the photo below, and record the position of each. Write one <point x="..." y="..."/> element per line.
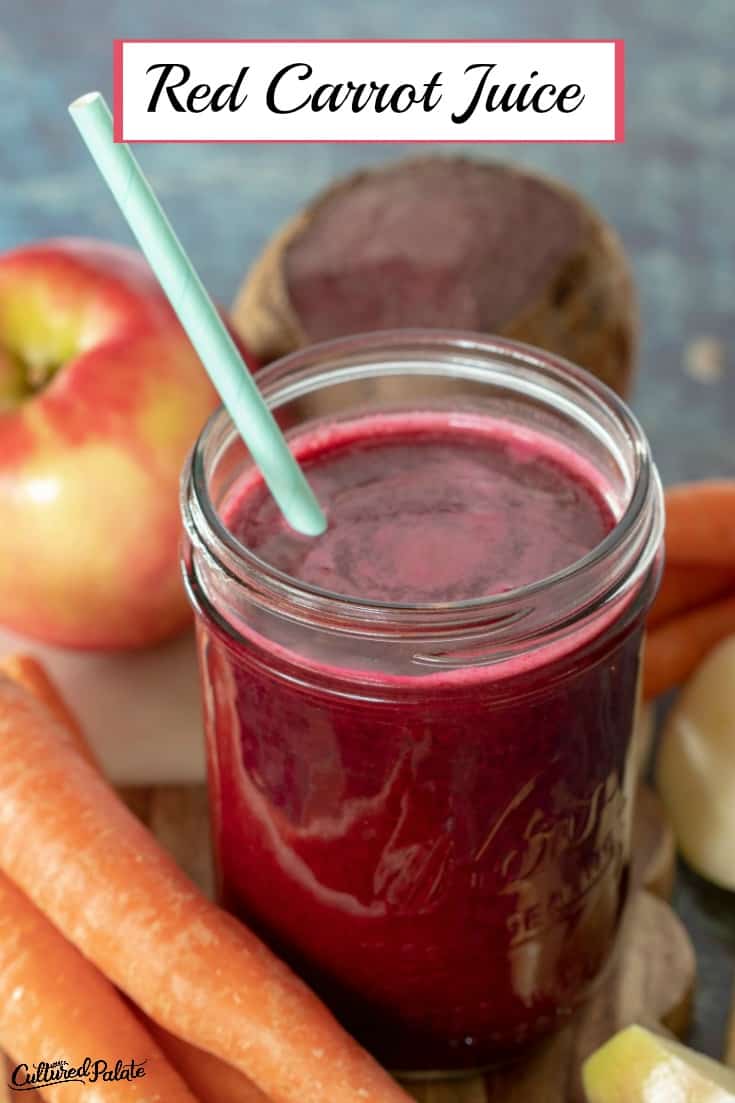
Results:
<point x="426" y="809"/>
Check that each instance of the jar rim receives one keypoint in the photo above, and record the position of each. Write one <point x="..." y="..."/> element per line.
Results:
<point x="639" y="526"/>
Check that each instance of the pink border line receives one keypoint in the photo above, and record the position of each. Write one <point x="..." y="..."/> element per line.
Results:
<point x="619" y="109"/>
<point x="117" y="89"/>
<point x="619" y="89"/>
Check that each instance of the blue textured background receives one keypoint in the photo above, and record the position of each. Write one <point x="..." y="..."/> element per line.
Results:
<point x="668" y="190"/>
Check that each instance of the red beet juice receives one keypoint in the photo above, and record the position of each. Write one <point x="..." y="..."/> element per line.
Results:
<point x="431" y="826"/>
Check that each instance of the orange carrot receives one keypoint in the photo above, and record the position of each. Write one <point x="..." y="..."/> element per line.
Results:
<point x="688" y="586"/>
<point x="28" y="672"/>
<point x="104" y="881"/>
<point x="678" y="646"/>
<point x="700" y="523"/>
<point x="55" y="1006"/>
<point x="210" y="1079"/>
<point x="7" y="1094"/>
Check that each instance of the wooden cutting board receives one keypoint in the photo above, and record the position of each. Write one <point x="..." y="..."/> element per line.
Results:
<point x="650" y="981"/>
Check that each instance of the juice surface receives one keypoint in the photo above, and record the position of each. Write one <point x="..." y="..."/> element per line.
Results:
<point x="424" y="509"/>
<point x="442" y="858"/>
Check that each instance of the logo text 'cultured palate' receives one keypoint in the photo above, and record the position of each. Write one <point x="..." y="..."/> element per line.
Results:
<point x="368" y="91"/>
<point x="36" y="1076"/>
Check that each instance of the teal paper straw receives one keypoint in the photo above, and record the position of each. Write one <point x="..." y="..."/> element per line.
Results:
<point x="198" y="315"/>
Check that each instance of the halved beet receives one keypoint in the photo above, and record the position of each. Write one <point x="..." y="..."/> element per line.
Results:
<point x="449" y="243"/>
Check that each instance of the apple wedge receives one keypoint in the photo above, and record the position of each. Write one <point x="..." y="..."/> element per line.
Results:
<point x="637" y="1066"/>
<point x="695" y="772"/>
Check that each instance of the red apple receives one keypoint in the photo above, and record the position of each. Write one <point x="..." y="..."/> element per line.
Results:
<point x="101" y="398"/>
